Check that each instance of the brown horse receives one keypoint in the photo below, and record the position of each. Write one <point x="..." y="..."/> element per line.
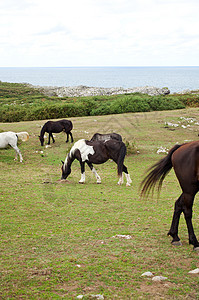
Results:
<point x="55" y="127"/>
<point x="97" y="152"/>
<point x="185" y="161"/>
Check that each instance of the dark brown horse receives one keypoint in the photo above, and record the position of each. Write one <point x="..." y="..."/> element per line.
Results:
<point x="56" y="127"/>
<point x="97" y="152"/>
<point x="105" y="137"/>
<point x="185" y="161"/>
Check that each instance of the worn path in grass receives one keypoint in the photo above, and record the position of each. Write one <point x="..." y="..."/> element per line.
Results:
<point x="61" y="240"/>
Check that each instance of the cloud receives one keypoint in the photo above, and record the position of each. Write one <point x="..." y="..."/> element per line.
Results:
<point x="100" y="32"/>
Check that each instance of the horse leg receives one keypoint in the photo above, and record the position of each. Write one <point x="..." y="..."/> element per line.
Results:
<point x="52" y="137"/>
<point x="94" y="172"/>
<point x="49" y="138"/>
<point x="128" y="178"/>
<point x="67" y="137"/>
<point x="82" y="180"/>
<point x="173" y="232"/>
<point x="188" y="204"/>
<point x="71" y="136"/>
<point x="18" y="152"/>
<point x="120" y="181"/>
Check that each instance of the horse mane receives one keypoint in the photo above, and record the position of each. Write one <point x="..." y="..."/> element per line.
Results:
<point x="43" y="130"/>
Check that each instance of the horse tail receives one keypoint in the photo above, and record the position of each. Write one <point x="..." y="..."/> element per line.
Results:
<point x="157" y="173"/>
<point x="121" y="157"/>
<point x="23" y="136"/>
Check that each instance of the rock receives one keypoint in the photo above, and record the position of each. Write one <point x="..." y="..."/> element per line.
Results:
<point x="98" y="296"/>
<point x="196" y="271"/>
<point x="159" y="278"/>
<point x="81" y="90"/>
<point x="148" y="274"/>
<point x="124" y="236"/>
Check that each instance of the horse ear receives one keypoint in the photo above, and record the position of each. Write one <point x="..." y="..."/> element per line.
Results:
<point x="62" y="162"/>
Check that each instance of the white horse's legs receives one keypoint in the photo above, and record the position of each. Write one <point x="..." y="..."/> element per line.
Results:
<point x="18" y="152"/>
<point x="96" y="175"/>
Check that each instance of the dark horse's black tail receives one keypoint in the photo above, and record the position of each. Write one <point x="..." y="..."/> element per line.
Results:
<point x="157" y="173"/>
<point x="121" y="157"/>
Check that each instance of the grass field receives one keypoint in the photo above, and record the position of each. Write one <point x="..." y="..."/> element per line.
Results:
<point x="63" y="240"/>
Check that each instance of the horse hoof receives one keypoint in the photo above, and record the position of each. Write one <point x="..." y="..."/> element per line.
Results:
<point x="176" y="243"/>
<point x="128" y="184"/>
<point x="81" y="182"/>
<point x="196" y="249"/>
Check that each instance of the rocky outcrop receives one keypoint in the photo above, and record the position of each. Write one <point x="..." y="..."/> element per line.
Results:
<point x="81" y="90"/>
<point x="187" y="91"/>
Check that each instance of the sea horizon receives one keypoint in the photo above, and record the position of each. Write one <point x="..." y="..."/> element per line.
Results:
<point x="176" y="78"/>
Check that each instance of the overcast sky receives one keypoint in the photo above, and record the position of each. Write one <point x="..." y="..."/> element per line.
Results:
<point x="62" y="33"/>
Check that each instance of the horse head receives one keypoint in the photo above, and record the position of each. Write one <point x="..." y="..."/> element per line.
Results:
<point x="41" y="140"/>
<point x="66" y="170"/>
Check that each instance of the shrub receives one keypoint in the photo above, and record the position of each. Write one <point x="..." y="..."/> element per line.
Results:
<point x="165" y="103"/>
<point x="130" y="104"/>
<point x="20" y="102"/>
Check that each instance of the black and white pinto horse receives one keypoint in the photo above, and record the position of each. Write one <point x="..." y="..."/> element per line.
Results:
<point x="10" y="138"/>
<point x="106" y="137"/>
<point x="56" y="127"/>
<point x="97" y="152"/>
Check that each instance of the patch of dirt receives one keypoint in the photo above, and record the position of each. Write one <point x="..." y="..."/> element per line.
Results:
<point x="63" y="181"/>
<point x="156" y="289"/>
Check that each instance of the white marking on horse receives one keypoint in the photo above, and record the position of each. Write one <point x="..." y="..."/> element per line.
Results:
<point x="65" y="162"/>
<point x="128" y="178"/>
<point x="120" y="180"/>
<point x="84" y="149"/>
<point x="83" y="178"/>
<point x="96" y="175"/>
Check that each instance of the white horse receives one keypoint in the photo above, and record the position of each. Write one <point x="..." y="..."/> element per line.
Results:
<point x="11" y="138"/>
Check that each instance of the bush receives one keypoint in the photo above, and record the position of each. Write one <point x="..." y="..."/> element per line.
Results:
<point x="19" y="102"/>
<point x="12" y="114"/>
<point x="167" y="103"/>
<point x="130" y="104"/>
<point x="56" y="111"/>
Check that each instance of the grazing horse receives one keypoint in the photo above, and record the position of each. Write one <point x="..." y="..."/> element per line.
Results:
<point x="97" y="152"/>
<point x="11" y="138"/>
<point x="56" y="127"/>
<point x="185" y="161"/>
<point x="105" y="137"/>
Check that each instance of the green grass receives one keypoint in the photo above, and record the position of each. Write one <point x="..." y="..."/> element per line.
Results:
<point x="60" y="240"/>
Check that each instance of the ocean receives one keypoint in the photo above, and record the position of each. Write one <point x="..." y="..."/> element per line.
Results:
<point x="176" y="79"/>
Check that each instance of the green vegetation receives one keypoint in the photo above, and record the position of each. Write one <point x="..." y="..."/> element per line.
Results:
<point x="20" y="102"/>
<point x="61" y="240"/>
